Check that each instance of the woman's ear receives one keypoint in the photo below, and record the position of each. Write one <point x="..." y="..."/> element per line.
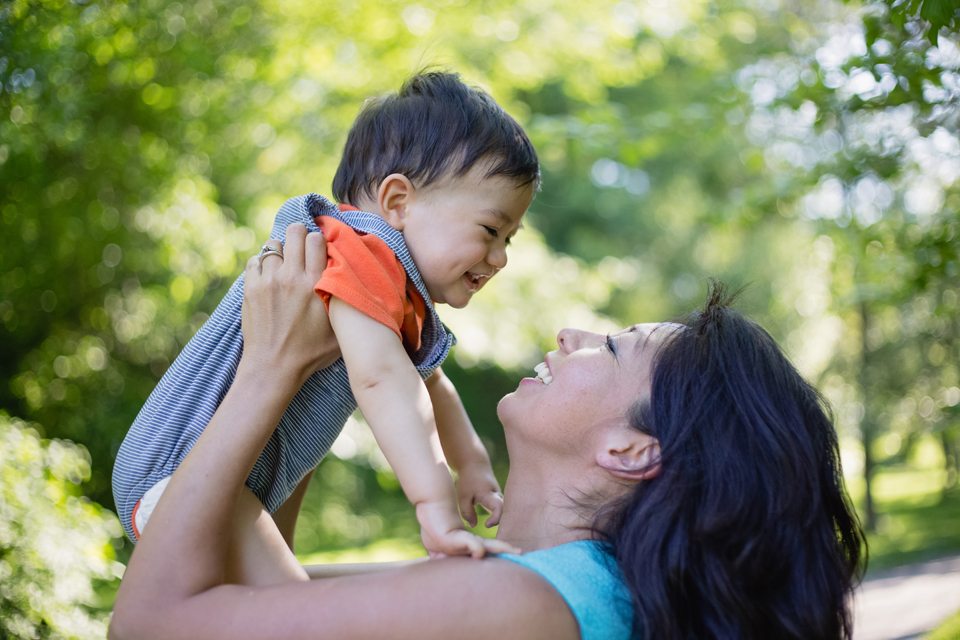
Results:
<point x="630" y="455"/>
<point x="394" y="196"/>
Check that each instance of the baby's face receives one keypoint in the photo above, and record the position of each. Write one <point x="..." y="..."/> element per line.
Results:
<point x="458" y="230"/>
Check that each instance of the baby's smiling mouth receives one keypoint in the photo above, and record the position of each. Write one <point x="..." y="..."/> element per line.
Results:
<point x="477" y="280"/>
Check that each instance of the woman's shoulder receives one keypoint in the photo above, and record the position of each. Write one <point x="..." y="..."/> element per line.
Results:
<point x="586" y="575"/>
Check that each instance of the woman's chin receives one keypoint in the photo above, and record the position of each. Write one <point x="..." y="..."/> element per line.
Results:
<point x="504" y="408"/>
<point x="511" y="406"/>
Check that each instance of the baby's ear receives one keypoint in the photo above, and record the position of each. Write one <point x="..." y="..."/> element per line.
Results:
<point x="630" y="455"/>
<point x="393" y="197"/>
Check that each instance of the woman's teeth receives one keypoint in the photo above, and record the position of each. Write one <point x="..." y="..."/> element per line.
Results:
<point x="543" y="373"/>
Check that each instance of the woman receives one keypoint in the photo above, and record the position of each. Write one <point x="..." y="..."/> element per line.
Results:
<point x="686" y="468"/>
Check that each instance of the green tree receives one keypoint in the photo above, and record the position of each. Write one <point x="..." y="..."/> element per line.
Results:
<point x="144" y="148"/>
<point x="56" y="547"/>
<point x="106" y="189"/>
<point x="877" y="102"/>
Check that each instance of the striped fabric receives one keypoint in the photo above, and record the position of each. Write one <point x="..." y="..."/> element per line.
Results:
<point x="190" y="391"/>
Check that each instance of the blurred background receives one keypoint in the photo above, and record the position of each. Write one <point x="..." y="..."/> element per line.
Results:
<point x="806" y="148"/>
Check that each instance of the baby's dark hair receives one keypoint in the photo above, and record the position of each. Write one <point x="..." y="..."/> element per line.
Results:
<point x="434" y="127"/>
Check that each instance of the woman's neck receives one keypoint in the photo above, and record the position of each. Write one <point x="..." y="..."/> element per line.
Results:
<point x="541" y="511"/>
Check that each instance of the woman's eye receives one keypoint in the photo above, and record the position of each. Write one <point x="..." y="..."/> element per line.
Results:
<point x="611" y="345"/>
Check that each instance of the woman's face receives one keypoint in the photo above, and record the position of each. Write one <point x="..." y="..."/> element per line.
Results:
<point x="589" y="382"/>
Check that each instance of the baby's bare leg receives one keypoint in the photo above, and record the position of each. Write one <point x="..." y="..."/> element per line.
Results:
<point x="258" y="553"/>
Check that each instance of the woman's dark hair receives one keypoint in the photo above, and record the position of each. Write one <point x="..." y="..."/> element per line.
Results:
<point x="436" y="126"/>
<point x="747" y="531"/>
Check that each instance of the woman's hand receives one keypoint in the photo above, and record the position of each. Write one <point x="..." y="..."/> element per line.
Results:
<point x="285" y="325"/>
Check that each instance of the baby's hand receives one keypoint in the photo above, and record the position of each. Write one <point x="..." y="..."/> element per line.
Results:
<point x="443" y="534"/>
<point x="476" y="485"/>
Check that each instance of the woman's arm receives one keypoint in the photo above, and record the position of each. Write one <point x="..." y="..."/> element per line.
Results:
<point x="438" y="599"/>
<point x="174" y="587"/>
<point x="342" y="569"/>
<point x="183" y="553"/>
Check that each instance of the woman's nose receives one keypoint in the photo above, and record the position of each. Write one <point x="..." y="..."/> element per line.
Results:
<point x="573" y="339"/>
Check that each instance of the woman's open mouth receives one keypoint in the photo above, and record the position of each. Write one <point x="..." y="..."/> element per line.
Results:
<point x="543" y="373"/>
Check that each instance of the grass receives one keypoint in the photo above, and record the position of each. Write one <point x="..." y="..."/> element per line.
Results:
<point x="948" y="630"/>
<point x="915" y="528"/>
<point x="917" y="519"/>
<point x="386" y="550"/>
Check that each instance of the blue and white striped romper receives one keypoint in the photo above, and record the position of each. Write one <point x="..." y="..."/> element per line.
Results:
<point x="181" y="405"/>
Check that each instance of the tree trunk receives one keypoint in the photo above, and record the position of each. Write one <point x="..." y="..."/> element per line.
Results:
<point x="868" y="426"/>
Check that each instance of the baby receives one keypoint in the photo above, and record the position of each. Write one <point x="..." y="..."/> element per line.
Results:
<point x="432" y="185"/>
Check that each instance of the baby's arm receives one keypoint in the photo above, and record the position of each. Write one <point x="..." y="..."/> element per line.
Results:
<point x="395" y="403"/>
<point x="476" y="483"/>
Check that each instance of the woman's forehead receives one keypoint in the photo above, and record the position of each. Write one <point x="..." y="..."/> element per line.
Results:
<point x="647" y="338"/>
<point x="647" y="330"/>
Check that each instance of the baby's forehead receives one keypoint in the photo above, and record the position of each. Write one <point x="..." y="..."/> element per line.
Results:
<point x="500" y="215"/>
<point x="475" y="177"/>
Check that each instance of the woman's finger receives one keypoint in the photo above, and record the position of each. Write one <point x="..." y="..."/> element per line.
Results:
<point x="253" y="265"/>
<point x="293" y="250"/>
<point x="315" y="255"/>
<point x="271" y="253"/>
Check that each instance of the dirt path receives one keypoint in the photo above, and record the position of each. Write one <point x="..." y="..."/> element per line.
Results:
<point x="909" y="601"/>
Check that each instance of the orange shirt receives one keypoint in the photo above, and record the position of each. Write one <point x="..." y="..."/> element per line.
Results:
<point x="363" y="272"/>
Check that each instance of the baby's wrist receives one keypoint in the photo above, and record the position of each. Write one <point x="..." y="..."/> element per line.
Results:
<point x="438" y="516"/>
<point x="478" y="475"/>
<point x="476" y="463"/>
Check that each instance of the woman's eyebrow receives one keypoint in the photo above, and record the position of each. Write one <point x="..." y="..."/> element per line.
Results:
<point x="639" y="345"/>
<point x="664" y="326"/>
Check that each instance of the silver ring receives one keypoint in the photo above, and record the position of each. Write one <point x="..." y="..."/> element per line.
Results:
<point x="269" y="252"/>
<point x="265" y="249"/>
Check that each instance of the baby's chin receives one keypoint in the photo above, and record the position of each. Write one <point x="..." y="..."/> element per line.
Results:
<point x="457" y="304"/>
<point x="456" y="299"/>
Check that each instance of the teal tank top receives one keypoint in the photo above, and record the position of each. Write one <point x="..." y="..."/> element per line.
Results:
<point x="587" y="577"/>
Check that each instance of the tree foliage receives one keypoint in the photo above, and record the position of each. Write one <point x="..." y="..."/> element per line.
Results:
<point x="935" y="14"/>
<point x="807" y="148"/>
<point x="880" y="103"/>
<point x="55" y="545"/>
